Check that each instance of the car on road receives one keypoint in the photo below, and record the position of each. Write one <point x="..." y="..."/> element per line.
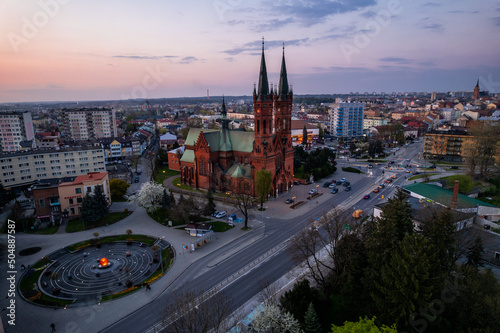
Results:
<point x="220" y="215"/>
<point x="388" y="181"/>
<point x="370" y="166"/>
<point x="366" y="196"/>
<point x="289" y="201"/>
<point x="432" y="166"/>
<point x="376" y="190"/>
<point x="136" y="180"/>
<point x="393" y="176"/>
<point x="348" y="188"/>
<point x="313" y="191"/>
<point x="346" y="183"/>
<point x="391" y="162"/>
<point x="334" y="191"/>
<point x="332" y="185"/>
<point x="454" y="167"/>
<point x="326" y="184"/>
<point x="381" y="186"/>
<point x="139" y="171"/>
<point x="342" y="180"/>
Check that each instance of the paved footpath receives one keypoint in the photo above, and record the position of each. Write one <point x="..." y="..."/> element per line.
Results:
<point x="93" y="318"/>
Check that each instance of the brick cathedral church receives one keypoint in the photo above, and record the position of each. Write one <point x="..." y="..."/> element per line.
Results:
<point x="227" y="160"/>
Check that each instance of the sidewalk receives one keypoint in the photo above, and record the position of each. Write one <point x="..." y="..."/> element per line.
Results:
<point x="33" y="318"/>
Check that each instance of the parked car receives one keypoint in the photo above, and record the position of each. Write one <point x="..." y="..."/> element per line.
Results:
<point x="367" y="196"/>
<point x="139" y="171"/>
<point x="220" y="215"/>
<point x="326" y="184"/>
<point x="338" y="182"/>
<point x="215" y="213"/>
<point x="296" y="182"/>
<point x="370" y="166"/>
<point x="348" y="188"/>
<point x="136" y="180"/>
<point x="289" y="201"/>
<point x="233" y="217"/>
<point x="334" y="191"/>
<point x="313" y="191"/>
<point x="332" y="185"/>
<point x="333" y="181"/>
<point x="342" y="180"/>
<point x="346" y="183"/>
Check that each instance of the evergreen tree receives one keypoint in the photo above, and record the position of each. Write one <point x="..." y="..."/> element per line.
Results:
<point x="165" y="199"/>
<point x="209" y="208"/>
<point x="363" y="325"/>
<point x="407" y="282"/>
<point x="440" y="229"/>
<point x="311" y="321"/>
<point x="475" y="253"/>
<point x="304" y="136"/>
<point x="88" y="213"/>
<point x="172" y="200"/>
<point x="296" y="301"/>
<point x="100" y="201"/>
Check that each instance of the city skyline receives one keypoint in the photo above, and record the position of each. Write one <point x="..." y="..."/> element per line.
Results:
<point x="57" y="50"/>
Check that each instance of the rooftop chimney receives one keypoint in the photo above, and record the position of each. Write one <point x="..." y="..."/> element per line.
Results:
<point x="454" y="198"/>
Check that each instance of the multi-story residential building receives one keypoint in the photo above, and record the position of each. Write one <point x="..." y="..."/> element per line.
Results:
<point x="47" y="139"/>
<point x="14" y="128"/>
<point x="298" y="132"/>
<point x="85" y="124"/>
<point x="71" y="194"/>
<point x="374" y="122"/>
<point x="47" y="205"/>
<point x="28" y="167"/>
<point x="167" y="141"/>
<point x="346" y="119"/>
<point x="452" y="146"/>
<point x="117" y="149"/>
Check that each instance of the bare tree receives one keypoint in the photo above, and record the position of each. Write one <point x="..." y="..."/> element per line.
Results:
<point x="315" y="247"/>
<point x="151" y="165"/>
<point x="188" y="311"/>
<point x="244" y="203"/>
<point x="268" y="292"/>
<point x="134" y="161"/>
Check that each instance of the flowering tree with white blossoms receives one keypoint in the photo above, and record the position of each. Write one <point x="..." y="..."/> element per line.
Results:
<point x="272" y="320"/>
<point x="149" y="196"/>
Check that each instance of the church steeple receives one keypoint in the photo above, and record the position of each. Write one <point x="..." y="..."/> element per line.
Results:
<point x="477" y="84"/>
<point x="263" y="87"/>
<point x="476" y="95"/>
<point x="223" y="112"/>
<point x="283" y="85"/>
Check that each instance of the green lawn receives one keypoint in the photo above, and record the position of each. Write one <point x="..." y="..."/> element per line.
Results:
<point x="422" y="175"/>
<point x="351" y="169"/>
<point x="47" y="231"/>
<point x="76" y="224"/>
<point x="218" y="226"/>
<point x="177" y="183"/>
<point x="108" y="239"/>
<point x="163" y="173"/>
<point x="447" y="163"/>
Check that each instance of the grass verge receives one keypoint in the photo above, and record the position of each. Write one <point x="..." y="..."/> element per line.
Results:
<point x="76" y="224"/>
<point x="422" y="175"/>
<point x="163" y="173"/>
<point x="351" y="169"/>
<point x="218" y="226"/>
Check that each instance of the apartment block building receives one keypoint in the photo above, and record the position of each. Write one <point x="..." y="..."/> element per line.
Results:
<point x="117" y="149"/>
<point x="374" y="122"/>
<point x="28" y="167"/>
<point x="15" y="127"/>
<point x="453" y="146"/>
<point x="346" y="119"/>
<point x="92" y="123"/>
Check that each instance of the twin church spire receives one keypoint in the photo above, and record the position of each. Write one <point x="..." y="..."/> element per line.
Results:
<point x="262" y="92"/>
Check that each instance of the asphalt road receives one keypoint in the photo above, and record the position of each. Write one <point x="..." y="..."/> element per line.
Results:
<point x="258" y="263"/>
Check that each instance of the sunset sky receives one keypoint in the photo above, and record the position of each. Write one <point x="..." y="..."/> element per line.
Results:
<point x="63" y="50"/>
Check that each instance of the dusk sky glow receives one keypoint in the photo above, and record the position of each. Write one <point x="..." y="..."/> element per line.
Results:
<point x="62" y="50"/>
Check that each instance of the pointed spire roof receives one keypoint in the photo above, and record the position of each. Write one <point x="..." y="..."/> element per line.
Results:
<point x="223" y="112"/>
<point x="263" y="87"/>
<point x="283" y="85"/>
<point x="477" y="84"/>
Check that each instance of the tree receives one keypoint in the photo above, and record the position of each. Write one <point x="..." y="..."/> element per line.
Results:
<point x="297" y="300"/>
<point x="134" y="162"/>
<point x="118" y="188"/>
<point x="209" y="207"/>
<point x="363" y="325"/>
<point x="485" y="150"/>
<point x="88" y="212"/>
<point x="407" y="282"/>
<point x="263" y="181"/>
<point x="475" y="253"/>
<point x="304" y="136"/>
<point x="243" y="203"/>
<point x="311" y="321"/>
<point x="149" y="196"/>
<point x="151" y="165"/>
<point x="100" y="201"/>
<point x="272" y="320"/>
<point x="352" y="148"/>
<point x="191" y="311"/>
<point x="165" y="199"/>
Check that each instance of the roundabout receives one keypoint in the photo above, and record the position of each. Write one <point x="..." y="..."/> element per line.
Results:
<point x="106" y="271"/>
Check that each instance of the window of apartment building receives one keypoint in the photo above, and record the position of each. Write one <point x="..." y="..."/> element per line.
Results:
<point x="6" y="160"/>
<point x="70" y="166"/>
<point x="89" y="189"/>
<point x="40" y="163"/>
<point x="84" y="158"/>
<point x="84" y="165"/>
<point x="73" y="172"/>
<point x="56" y="173"/>
<point x="69" y="160"/>
<point x="79" y="200"/>
<point x="55" y="168"/>
<point x="40" y="169"/>
<point x="78" y="190"/>
<point x="23" y="165"/>
<point x="68" y="154"/>
<point x="42" y="202"/>
<point x="8" y="180"/>
<point x="54" y="161"/>
<point x="25" y="171"/>
<point x="72" y="211"/>
<point x="41" y="175"/>
<point x="8" y="173"/>
<point x="37" y="157"/>
<point x="71" y="201"/>
<point x="23" y="158"/>
<point x="7" y="167"/>
<point x="25" y="177"/>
